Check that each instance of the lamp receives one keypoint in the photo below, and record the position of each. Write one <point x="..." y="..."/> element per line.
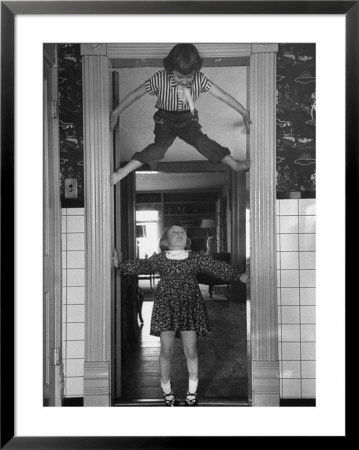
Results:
<point x="208" y="223"/>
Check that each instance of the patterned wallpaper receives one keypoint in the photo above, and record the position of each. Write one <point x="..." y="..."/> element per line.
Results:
<point x="296" y="109"/>
<point x="71" y="129"/>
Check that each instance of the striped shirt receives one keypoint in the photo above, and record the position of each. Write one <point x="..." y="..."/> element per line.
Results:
<point x="164" y="86"/>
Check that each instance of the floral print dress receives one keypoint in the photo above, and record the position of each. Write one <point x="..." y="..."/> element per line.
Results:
<point x="178" y="303"/>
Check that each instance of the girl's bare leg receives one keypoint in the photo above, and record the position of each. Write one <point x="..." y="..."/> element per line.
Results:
<point x="238" y="166"/>
<point x="189" y="340"/>
<point x="167" y="342"/>
<point x="124" y="171"/>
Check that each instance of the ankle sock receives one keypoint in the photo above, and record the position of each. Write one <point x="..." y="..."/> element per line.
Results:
<point x="166" y="387"/>
<point x="192" y="385"/>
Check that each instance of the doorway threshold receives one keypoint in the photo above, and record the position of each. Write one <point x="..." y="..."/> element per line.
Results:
<point x="159" y="402"/>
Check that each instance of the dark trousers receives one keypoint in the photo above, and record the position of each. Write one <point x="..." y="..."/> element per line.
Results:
<point x="182" y="124"/>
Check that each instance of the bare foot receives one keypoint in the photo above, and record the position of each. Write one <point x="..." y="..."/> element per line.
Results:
<point x="243" y="166"/>
<point x="115" y="177"/>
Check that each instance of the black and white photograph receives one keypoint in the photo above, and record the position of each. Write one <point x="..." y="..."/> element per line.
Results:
<point x="186" y="139"/>
<point x="181" y="181"/>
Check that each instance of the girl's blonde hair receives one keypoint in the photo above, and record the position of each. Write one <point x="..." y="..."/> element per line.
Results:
<point x="163" y="245"/>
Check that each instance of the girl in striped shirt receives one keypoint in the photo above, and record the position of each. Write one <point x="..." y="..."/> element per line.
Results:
<point x="177" y="88"/>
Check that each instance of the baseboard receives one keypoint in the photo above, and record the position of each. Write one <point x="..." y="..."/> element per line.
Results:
<point x="73" y="401"/>
<point x="297" y="402"/>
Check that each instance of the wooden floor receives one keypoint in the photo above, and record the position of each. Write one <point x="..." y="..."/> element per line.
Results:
<point x="223" y="371"/>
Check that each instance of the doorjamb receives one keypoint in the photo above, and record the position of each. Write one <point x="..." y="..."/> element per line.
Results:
<point x="98" y="206"/>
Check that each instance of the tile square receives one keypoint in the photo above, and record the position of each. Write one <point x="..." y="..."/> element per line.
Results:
<point x="290" y="369"/>
<point x="64" y="294"/>
<point x="307" y="224"/>
<point x="288" y="207"/>
<point x="277" y="206"/>
<point x="291" y="388"/>
<point x="75" y="331"/>
<point x="63" y="241"/>
<point x="289" y="260"/>
<point x="75" y="368"/>
<point x="75" y="211"/>
<point x="74" y="387"/>
<point x="307" y="260"/>
<point x="307" y="296"/>
<point x="76" y="295"/>
<point x="308" y="369"/>
<point x="290" y="333"/>
<point x="307" y="278"/>
<point x="76" y="241"/>
<point x="308" y="388"/>
<point x="74" y="313"/>
<point x="288" y="224"/>
<point x="307" y="314"/>
<point x="76" y="259"/>
<point x="308" y="332"/>
<point x="289" y="296"/>
<point x="289" y="242"/>
<point x="75" y="349"/>
<point x="63" y="224"/>
<point x="63" y="260"/>
<point x="290" y="314"/>
<point x="63" y="211"/>
<point x="308" y="351"/>
<point x="64" y="277"/>
<point x="290" y="351"/>
<point x="75" y="277"/>
<point x="289" y="278"/>
<point x="307" y="206"/>
<point x="307" y="242"/>
<point x="75" y="224"/>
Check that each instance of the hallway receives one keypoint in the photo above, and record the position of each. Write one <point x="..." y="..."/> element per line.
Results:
<point x="222" y="357"/>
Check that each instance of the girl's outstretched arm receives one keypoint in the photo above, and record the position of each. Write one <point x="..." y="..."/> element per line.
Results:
<point x="222" y="95"/>
<point x="127" y="101"/>
<point x="135" y="267"/>
<point x="219" y="269"/>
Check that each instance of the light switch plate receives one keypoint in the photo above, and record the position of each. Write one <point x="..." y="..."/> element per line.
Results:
<point x="70" y="187"/>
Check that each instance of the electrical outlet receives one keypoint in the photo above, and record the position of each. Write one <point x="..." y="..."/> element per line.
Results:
<point x="70" y="187"/>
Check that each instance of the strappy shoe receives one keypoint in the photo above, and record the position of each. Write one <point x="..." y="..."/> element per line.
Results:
<point x="191" y="399"/>
<point x="170" y="399"/>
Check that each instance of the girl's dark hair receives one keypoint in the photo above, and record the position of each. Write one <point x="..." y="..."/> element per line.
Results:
<point x="184" y="58"/>
<point x="163" y="239"/>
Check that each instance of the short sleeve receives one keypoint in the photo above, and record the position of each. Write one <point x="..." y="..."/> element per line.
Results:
<point x="205" y="83"/>
<point x="153" y="84"/>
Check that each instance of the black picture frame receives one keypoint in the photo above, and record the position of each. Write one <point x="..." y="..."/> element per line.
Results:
<point x="9" y="9"/>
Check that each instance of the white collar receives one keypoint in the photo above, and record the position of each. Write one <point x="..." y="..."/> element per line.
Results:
<point x="177" y="254"/>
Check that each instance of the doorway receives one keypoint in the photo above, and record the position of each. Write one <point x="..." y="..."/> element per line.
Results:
<point x="100" y="360"/>
<point x="200" y="200"/>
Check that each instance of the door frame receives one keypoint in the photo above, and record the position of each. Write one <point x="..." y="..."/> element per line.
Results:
<point x="98" y="63"/>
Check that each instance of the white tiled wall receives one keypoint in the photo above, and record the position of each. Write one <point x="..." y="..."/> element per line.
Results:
<point x="296" y="219"/>
<point x="73" y="299"/>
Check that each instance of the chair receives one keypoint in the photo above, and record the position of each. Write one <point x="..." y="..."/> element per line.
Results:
<point x="211" y="281"/>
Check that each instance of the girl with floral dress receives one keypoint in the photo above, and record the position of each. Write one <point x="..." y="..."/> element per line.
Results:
<point x="179" y="309"/>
